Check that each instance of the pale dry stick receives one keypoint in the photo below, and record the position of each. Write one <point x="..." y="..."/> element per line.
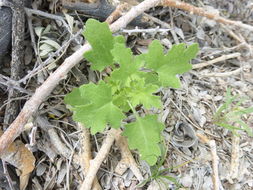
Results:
<point x="235" y="156"/>
<point x="25" y="97"/>
<point x="225" y="50"/>
<point x="173" y="33"/>
<point x="240" y="39"/>
<point x="201" y="12"/>
<point x="163" y="24"/>
<point x="10" y="83"/>
<point x="215" y="158"/>
<point x="133" y="13"/>
<point x="85" y="155"/>
<point x="127" y="160"/>
<point x="48" y="15"/>
<point x="216" y="60"/>
<point x="32" y="105"/>
<point x="7" y="176"/>
<point x="232" y="34"/>
<point x="116" y="13"/>
<point x="97" y="161"/>
<point x="226" y="74"/>
<point x="147" y="30"/>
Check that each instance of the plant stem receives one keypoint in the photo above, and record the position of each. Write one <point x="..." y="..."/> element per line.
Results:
<point x="132" y="108"/>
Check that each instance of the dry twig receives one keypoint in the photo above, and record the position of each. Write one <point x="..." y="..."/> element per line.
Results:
<point x="97" y="161"/>
<point x="216" y="60"/>
<point x="227" y="74"/>
<point x="215" y="158"/>
<point x="116" y="13"/>
<point x="85" y="156"/>
<point x="235" y="156"/>
<point x="18" y="33"/>
<point x="127" y="160"/>
<point x="201" y="12"/>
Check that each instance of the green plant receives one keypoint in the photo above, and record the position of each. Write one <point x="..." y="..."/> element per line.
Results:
<point x="134" y="80"/>
<point x="230" y="113"/>
<point x="158" y="174"/>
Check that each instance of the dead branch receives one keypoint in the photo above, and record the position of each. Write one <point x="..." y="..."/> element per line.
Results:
<point x="216" y="60"/>
<point x="116" y="13"/>
<point x="227" y="74"/>
<point x="215" y="159"/>
<point x="235" y="158"/>
<point x="18" y="33"/>
<point x="32" y="105"/>
<point x="127" y="160"/>
<point x="97" y="161"/>
<point x="85" y="155"/>
<point x="132" y="13"/>
<point x="201" y="12"/>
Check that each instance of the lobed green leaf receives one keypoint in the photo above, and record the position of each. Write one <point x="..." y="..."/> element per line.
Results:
<point x="176" y="61"/>
<point x="144" y="135"/>
<point x="101" y="40"/>
<point x="97" y="110"/>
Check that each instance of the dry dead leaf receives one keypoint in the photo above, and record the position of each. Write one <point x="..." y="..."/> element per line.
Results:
<point x="20" y="157"/>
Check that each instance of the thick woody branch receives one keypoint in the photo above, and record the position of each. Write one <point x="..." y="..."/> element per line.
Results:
<point x="18" y="33"/>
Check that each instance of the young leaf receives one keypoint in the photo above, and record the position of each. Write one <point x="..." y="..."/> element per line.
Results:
<point x="176" y="61"/>
<point x="139" y="93"/>
<point x="100" y="38"/>
<point x="99" y="111"/>
<point x="128" y="65"/>
<point x="144" y="135"/>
